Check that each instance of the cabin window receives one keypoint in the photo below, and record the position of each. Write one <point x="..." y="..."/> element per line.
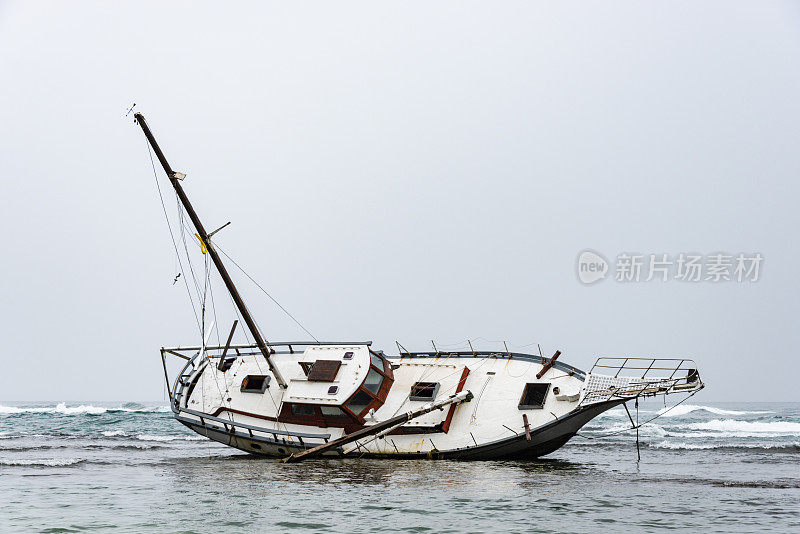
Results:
<point x="333" y="390"/>
<point x="332" y="411"/>
<point x="373" y="381"/>
<point x="377" y="361"/>
<point x="424" y="391"/>
<point x="348" y="355"/>
<point x="533" y="396"/>
<point x="302" y="409"/>
<point x="255" y="383"/>
<point x="359" y="401"/>
<point x="324" y="370"/>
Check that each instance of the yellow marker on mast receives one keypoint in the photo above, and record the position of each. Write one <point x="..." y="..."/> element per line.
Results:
<point x="203" y="248"/>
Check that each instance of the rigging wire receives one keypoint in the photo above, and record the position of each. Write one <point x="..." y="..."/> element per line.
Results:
<point x="171" y="234"/>
<point x="267" y="294"/>
<point x="184" y="227"/>
<point x="213" y="305"/>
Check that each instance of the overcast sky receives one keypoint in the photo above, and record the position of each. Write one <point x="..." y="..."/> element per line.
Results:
<point x="407" y="171"/>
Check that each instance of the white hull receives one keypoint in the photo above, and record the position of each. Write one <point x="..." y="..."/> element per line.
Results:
<point x="491" y="424"/>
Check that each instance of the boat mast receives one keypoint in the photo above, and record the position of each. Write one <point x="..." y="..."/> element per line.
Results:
<point x="248" y="319"/>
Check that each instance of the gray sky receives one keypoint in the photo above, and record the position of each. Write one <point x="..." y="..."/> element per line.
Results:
<point x="408" y="171"/>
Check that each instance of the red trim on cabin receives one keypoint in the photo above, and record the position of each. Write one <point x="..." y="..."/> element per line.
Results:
<point x="240" y="412"/>
<point x="350" y="422"/>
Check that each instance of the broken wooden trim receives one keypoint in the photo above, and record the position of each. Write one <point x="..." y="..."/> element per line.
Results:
<point x="548" y="365"/>
<point x="456" y="398"/>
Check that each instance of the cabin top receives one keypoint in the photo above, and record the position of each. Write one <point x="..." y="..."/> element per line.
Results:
<point x="326" y="375"/>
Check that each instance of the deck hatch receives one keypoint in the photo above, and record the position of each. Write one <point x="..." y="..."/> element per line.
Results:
<point x="255" y="383"/>
<point x="424" y="391"/>
<point x="533" y="396"/>
<point x="324" y="370"/>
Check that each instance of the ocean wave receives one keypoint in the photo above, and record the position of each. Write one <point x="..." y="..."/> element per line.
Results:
<point x="95" y="446"/>
<point x="733" y="425"/>
<point x="32" y="448"/>
<point x="648" y="429"/>
<point x="87" y="409"/>
<point x="124" y="446"/>
<point x="714" y="429"/>
<point x="151" y="409"/>
<point x="789" y="447"/>
<point x="60" y="408"/>
<point x="611" y="413"/>
<point x="47" y="462"/>
<point x="685" y="409"/>
<point x="159" y="437"/>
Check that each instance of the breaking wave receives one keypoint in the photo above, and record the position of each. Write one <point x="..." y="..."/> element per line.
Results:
<point x="87" y="409"/>
<point x="716" y="428"/>
<point x="685" y="409"/>
<point x="47" y="462"/>
<point x="611" y="413"/>
<point x="734" y="426"/>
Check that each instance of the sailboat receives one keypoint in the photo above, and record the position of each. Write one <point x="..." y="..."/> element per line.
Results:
<point x="304" y="399"/>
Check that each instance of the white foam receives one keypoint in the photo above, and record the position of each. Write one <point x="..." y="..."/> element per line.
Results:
<point x="47" y="462"/>
<point x="63" y="409"/>
<point x="112" y="433"/>
<point x="734" y="426"/>
<point x="685" y="409"/>
<point x="611" y="413"/>
<point x="648" y="429"/>
<point x="682" y="445"/>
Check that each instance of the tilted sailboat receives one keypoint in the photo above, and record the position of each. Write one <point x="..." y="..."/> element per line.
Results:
<point x="298" y="400"/>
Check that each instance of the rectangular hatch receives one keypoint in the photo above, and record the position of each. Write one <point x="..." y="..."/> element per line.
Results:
<point x="324" y="371"/>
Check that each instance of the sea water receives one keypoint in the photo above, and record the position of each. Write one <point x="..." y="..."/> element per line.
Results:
<point x="130" y="467"/>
